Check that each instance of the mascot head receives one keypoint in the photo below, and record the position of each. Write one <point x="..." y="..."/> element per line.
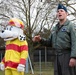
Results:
<point x="13" y="30"/>
<point x="16" y="22"/>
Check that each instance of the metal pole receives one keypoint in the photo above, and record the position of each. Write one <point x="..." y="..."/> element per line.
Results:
<point x="40" y="60"/>
<point x="27" y="67"/>
<point x="45" y="56"/>
<point x="30" y="64"/>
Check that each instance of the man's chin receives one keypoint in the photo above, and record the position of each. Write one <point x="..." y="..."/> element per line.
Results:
<point x="61" y="19"/>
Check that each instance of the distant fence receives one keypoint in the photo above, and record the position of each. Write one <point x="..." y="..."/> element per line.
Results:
<point x="47" y="54"/>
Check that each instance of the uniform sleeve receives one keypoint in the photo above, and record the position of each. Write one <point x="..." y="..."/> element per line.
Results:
<point x="46" y="42"/>
<point x="73" y="41"/>
<point x="24" y="52"/>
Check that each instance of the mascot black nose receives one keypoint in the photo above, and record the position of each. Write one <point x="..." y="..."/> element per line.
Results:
<point x="2" y="31"/>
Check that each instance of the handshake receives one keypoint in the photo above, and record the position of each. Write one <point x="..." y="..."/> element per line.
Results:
<point x="20" y="68"/>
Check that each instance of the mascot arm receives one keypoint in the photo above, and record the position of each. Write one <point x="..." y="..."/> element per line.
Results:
<point x="24" y="56"/>
<point x="24" y="53"/>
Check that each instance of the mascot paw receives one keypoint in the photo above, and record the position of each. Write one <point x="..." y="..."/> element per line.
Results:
<point x="2" y="67"/>
<point x="22" y="37"/>
<point x="21" y="68"/>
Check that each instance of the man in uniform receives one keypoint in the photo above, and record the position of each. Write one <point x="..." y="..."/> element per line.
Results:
<point x="63" y="40"/>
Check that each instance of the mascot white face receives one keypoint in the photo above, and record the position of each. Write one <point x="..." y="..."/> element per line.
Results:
<point x="12" y="32"/>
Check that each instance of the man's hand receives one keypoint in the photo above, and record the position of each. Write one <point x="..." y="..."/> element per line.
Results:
<point x="72" y="62"/>
<point x="36" y="38"/>
<point x="21" y="68"/>
<point x="2" y="67"/>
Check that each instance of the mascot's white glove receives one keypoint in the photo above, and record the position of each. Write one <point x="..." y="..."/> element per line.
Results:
<point x="21" y="68"/>
<point x="2" y="67"/>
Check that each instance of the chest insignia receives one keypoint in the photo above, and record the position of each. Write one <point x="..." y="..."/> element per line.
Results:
<point x="64" y="29"/>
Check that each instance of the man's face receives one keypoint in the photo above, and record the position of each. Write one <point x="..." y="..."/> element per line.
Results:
<point x="61" y="14"/>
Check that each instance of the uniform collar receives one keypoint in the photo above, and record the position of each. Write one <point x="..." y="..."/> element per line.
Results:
<point x="66" y="22"/>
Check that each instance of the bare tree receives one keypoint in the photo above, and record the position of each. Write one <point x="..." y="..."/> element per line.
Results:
<point x="36" y="14"/>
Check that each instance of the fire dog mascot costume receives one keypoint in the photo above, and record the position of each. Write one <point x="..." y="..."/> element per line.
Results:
<point x="16" y="51"/>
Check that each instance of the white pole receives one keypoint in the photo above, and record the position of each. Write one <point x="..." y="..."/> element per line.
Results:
<point x="30" y="64"/>
<point x="27" y="67"/>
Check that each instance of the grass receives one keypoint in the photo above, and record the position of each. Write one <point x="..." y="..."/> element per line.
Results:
<point x="1" y="73"/>
<point x="46" y="69"/>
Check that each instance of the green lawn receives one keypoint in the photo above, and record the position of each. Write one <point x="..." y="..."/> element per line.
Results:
<point x="36" y="73"/>
<point x="45" y="69"/>
<point x="1" y="73"/>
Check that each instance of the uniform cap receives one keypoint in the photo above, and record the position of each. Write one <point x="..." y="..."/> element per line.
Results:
<point x="61" y="6"/>
<point x="16" y="22"/>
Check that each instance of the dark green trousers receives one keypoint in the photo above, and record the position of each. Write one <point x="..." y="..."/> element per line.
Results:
<point x="61" y="65"/>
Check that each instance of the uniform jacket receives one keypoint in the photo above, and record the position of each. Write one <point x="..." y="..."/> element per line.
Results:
<point x="16" y="53"/>
<point x="62" y="38"/>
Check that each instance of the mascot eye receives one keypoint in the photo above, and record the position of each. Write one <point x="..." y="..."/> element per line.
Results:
<point x="10" y="28"/>
<point x="6" y="28"/>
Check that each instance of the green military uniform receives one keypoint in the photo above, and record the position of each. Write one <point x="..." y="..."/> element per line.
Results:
<point x="63" y="40"/>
